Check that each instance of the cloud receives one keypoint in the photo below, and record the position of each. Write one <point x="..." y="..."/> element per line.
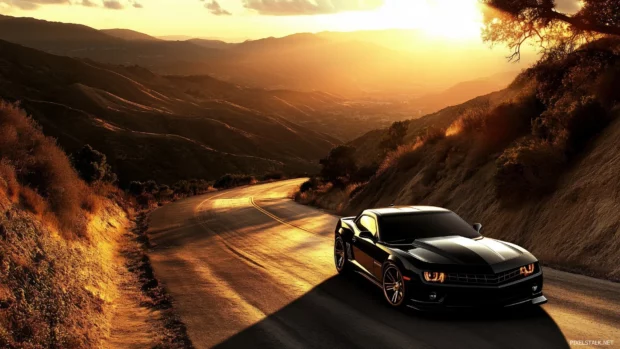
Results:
<point x="113" y="5"/>
<point x="309" y="7"/>
<point x="34" y="4"/>
<point x="214" y="7"/>
<point x="87" y="3"/>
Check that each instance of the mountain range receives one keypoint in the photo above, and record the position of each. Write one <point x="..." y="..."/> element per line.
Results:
<point x="137" y="98"/>
<point x="367" y="63"/>
<point x="193" y="126"/>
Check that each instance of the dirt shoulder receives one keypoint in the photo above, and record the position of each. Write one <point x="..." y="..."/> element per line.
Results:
<point x="143" y="314"/>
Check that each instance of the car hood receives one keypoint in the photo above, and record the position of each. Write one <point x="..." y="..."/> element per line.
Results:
<point x="464" y="251"/>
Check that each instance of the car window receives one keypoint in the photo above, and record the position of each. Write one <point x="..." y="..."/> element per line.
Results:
<point x="404" y="228"/>
<point x="369" y="223"/>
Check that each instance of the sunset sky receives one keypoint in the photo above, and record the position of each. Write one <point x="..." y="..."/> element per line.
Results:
<point x="237" y="20"/>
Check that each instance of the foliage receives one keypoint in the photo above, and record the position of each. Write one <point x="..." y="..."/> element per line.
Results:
<point x="308" y="185"/>
<point x="395" y="136"/>
<point x="47" y="183"/>
<point x="364" y="173"/>
<point x="339" y="165"/>
<point x="233" y="180"/>
<point x="528" y="169"/>
<point x="272" y="176"/>
<point x="556" y="33"/>
<point x="57" y="272"/>
<point x="92" y="165"/>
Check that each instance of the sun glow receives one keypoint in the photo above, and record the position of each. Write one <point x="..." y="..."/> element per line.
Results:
<point x="453" y="19"/>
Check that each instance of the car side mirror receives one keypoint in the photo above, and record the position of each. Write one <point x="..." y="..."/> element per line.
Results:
<point x="364" y="234"/>
<point x="478" y="227"/>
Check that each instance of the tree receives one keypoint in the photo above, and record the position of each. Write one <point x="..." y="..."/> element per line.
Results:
<point x="556" y="33"/>
<point x="92" y="165"/>
<point x="395" y="136"/>
<point x="339" y="164"/>
<point x="136" y="188"/>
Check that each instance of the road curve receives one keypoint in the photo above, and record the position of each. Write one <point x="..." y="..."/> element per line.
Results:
<point x="249" y="268"/>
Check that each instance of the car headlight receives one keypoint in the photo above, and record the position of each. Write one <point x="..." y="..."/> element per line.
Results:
<point x="433" y="276"/>
<point x="527" y="269"/>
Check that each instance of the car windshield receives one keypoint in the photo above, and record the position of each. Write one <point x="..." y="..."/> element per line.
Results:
<point x="406" y="228"/>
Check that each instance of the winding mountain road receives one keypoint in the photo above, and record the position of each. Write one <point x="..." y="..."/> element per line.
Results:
<point x="249" y="268"/>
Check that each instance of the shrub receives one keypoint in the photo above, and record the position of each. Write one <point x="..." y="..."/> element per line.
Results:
<point x="529" y="169"/>
<point x="44" y="168"/>
<point x="92" y="165"/>
<point x="608" y="86"/>
<point x="403" y="158"/>
<point x="395" y="136"/>
<point x="364" y="173"/>
<point x="470" y="120"/>
<point x="585" y="119"/>
<point x="151" y="187"/>
<point x="354" y="189"/>
<point x="165" y="193"/>
<point x="306" y="186"/>
<point x="231" y="180"/>
<point x="136" y="188"/>
<point x="8" y="181"/>
<point x="432" y="135"/>
<point x="32" y="201"/>
<point x="182" y="187"/>
<point x="339" y="165"/>
<point x="273" y="176"/>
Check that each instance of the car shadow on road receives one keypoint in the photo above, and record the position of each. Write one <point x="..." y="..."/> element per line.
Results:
<point x="347" y="311"/>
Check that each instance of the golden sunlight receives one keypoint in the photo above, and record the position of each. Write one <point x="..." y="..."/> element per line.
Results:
<point x="453" y="19"/>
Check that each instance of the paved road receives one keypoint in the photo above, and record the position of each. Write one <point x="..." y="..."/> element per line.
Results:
<point x="249" y="268"/>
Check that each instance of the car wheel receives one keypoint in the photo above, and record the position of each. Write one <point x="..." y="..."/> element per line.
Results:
<point x="393" y="285"/>
<point x="340" y="255"/>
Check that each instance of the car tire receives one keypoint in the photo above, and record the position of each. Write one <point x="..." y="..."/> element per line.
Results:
<point x="340" y="256"/>
<point x="393" y="285"/>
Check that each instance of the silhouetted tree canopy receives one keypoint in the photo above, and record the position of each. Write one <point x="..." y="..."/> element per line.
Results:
<point x="340" y="163"/>
<point x="513" y="22"/>
<point x="92" y="165"/>
<point x="395" y="136"/>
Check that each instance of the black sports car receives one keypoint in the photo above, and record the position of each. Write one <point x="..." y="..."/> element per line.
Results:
<point x="429" y="258"/>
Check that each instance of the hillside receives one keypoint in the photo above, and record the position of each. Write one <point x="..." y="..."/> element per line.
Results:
<point x="81" y="41"/>
<point x="127" y="34"/>
<point x="58" y="244"/>
<point x="218" y="44"/>
<point x="536" y="163"/>
<point x="135" y="116"/>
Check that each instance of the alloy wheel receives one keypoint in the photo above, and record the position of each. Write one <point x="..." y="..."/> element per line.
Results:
<point x="339" y="254"/>
<point x="393" y="285"/>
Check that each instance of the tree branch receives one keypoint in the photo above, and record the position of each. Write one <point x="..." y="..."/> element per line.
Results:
<point x="581" y="25"/>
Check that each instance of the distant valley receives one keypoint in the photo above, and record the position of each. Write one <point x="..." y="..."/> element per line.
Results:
<point x="205" y="108"/>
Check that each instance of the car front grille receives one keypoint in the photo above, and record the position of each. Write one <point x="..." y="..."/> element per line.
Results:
<point x="483" y="279"/>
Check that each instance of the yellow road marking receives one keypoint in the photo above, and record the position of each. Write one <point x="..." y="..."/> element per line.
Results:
<point x="276" y="218"/>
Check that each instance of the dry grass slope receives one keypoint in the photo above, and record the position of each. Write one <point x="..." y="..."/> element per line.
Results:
<point x="58" y="239"/>
<point x="537" y="167"/>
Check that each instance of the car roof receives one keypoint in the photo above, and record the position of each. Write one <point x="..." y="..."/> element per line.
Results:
<point x="401" y="210"/>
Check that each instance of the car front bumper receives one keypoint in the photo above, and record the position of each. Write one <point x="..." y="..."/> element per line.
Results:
<point x="453" y="297"/>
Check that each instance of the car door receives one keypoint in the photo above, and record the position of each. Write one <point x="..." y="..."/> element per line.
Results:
<point x="363" y="247"/>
